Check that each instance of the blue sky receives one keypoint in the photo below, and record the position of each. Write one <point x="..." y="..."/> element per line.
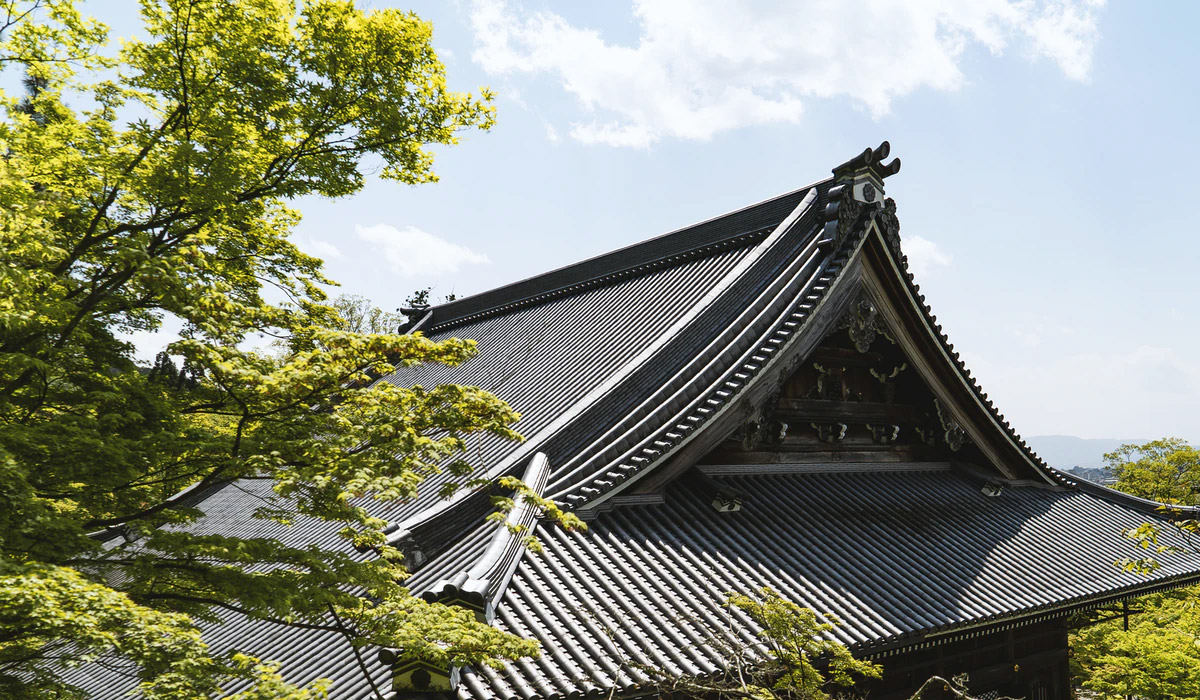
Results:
<point x="1047" y="196"/>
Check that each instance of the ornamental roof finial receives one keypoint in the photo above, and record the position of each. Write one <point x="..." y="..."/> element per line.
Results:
<point x="867" y="172"/>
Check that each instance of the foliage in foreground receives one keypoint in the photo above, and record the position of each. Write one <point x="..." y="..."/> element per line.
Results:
<point x="1158" y="658"/>
<point x="154" y="179"/>
<point x="795" y="638"/>
<point x="1167" y="471"/>
<point x="792" y="657"/>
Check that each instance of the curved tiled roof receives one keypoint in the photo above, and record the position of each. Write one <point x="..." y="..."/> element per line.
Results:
<point x="570" y="402"/>
<point x="724" y="363"/>
<point x="545" y="357"/>
<point x="897" y="556"/>
<point x="479" y="586"/>
<point x="726" y="228"/>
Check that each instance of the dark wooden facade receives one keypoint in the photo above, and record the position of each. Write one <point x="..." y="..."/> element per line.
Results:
<point x="1025" y="662"/>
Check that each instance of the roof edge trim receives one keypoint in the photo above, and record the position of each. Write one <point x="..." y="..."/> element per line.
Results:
<point x="812" y="259"/>
<point x="786" y="299"/>
<point x="899" y="263"/>
<point x="897" y="644"/>
<point x="1144" y="505"/>
<point x="600" y="267"/>
<point x="481" y="586"/>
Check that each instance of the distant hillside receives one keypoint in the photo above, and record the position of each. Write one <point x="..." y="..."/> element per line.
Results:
<point x="1065" y="451"/>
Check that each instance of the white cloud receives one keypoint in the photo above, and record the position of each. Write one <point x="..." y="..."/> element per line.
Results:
<point x="321" y="249"/>
<point x="924" y="255"/>
<point x="614" y="134"/>
<point x="701" y="67"/>
<point x="413" y="252"/>
<point x="1066" y="32"/>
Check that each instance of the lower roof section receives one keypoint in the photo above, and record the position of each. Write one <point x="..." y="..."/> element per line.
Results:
<point x="304" y="655"/>
<point x="898" y="557"/>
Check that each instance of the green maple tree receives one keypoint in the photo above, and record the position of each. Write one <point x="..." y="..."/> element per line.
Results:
<point x="1157" y="658"/>
<point x="154" y="179"/>
<point x="1156" y="654"/>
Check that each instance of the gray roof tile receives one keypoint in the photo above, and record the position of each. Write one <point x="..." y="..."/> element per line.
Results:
<point x="894" y="555"/>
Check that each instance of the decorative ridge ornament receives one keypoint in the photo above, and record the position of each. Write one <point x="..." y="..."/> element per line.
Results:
<point x="844" y="219"/>
<point x="867" y="171"/>
<point x="889" y="224"/>
<point x="850" y="212"/>
<point x="414" y="318"/>
<point x="857" y="198"/>
<point x="871" y="159"/>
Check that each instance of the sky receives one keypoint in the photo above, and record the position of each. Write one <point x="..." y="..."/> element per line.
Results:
<point x="1046" y="200"/>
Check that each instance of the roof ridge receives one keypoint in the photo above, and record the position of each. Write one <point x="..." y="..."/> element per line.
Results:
<point x="626" y="273"/>
<point x="673" y="428"/>
<point x="783" y="319"/>
<point x="704" y="236"/>
<point x="659" y="443"/>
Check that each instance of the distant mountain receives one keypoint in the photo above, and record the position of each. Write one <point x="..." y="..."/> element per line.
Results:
<point x="1066" y="451"/>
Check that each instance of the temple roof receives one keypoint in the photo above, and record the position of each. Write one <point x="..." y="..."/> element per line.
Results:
<point x="900" y="557"/>
<point x="628" y="369"/>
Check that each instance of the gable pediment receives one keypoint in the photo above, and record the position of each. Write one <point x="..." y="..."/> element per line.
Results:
<point x="854" y="399"/>
<point x="874" y="382"/>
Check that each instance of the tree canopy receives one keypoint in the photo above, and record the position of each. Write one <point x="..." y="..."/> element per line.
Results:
<point x="1157" y="658"/>
<point x="1165" y="470"/>
<point x="359" y="315"/>
<point x="1154" y="653"/>
<point x="155" y="178"/>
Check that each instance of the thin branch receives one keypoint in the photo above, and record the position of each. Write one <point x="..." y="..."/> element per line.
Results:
<point x="214" y="478"/>
<point x="357" y="653"/>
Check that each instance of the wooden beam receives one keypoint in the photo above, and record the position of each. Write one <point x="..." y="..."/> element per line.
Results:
<point x="853" y="412"/>
<point x="845" y="357"/>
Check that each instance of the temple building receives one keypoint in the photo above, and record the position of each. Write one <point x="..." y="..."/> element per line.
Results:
<point x="760" y="399"/>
